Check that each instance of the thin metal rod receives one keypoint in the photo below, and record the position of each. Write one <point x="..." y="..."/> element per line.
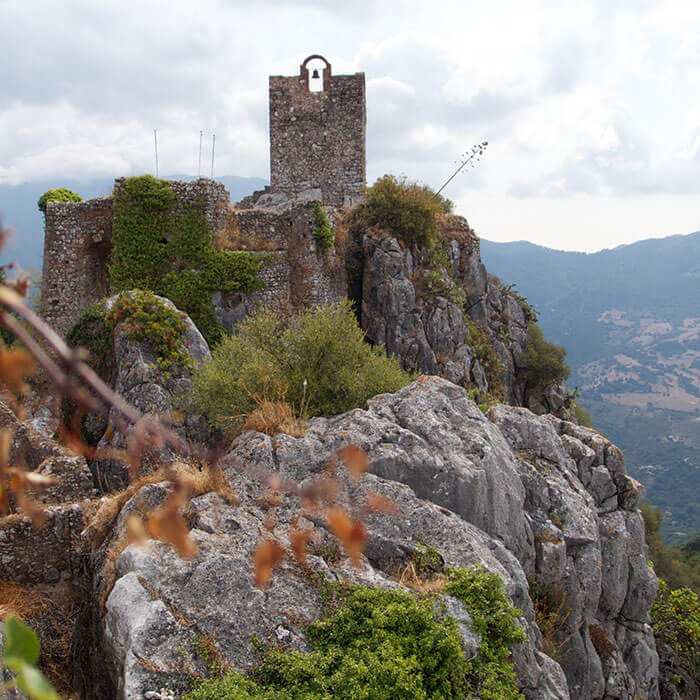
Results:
<point x="155" y="141"/>
<point x="199" y="167"/>
<point x="213" y="146"/>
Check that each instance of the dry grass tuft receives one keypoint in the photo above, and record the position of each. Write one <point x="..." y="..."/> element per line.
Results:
<point x="19" y="600"/>
<point x="551" y="614"/>
<point x="421" y="584"/>
<point x="196" y="478"/>
<point x="604" y="646"/>
<point x="51" y="612"/>
<point x="232" y="238"/>
<point x="273" y="417"/>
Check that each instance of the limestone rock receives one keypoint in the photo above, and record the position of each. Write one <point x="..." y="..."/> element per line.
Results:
<point x="139" y="381"/>
<point x="33" y="451"/>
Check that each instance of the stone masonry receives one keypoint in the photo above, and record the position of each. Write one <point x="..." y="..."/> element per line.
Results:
<point x="317" y="139"/>
<point x="78" y="245"/>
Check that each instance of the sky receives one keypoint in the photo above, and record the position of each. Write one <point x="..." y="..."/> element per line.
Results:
<point x="591" y="109"/>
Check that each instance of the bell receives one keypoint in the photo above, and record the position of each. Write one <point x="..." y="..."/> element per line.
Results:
<point x="315" y="75"/>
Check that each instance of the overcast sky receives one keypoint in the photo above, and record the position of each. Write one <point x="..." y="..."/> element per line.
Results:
<point x="591" y="109"/>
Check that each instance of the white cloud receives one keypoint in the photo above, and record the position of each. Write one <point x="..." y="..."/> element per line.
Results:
<point x="588" y="106"/>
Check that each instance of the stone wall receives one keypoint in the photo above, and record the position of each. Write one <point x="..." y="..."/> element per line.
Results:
<point x="77" y="244"/>
<point x="317" y="139"/>
<point x="297" y="275"/>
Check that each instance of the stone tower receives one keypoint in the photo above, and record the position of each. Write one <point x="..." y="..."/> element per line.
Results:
<point x="317" y="137"/>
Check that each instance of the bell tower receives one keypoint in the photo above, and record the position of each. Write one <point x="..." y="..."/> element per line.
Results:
<point x="317" y="134"/>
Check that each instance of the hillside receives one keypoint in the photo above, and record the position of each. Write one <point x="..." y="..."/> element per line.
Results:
<point x="19" y="211"/>
<point x="630" y="320"/>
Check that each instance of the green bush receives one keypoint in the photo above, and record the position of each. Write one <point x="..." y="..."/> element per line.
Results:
<point x="494" y="618"/>
<point x="386" y="645"/>
<point x="675" y="564"/>
<point x="675" y="617"/>
<point x="171" y="253"/>
<point x="61" y="194"/>
<point x="489" y="359"/>
<point x="583" y="415"/>
<point x="323" y="231"/>
<point x="542" y="363"/>
<point x="317" y="361"/>
<point x="405" y="209"/>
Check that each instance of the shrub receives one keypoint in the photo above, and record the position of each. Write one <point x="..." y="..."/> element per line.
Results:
<point x="386" y="644"/>
<point x="323" y="231"/>
<point x="541" y="363"/>
<point x="171" y="253"/>
<point x="583" y="415"/>
<point x="675" y="617"/>
<point x="61" y="194"/>
<point x="317" y="361"/>
<point x="405" y="209"/>
<point x="494" y="618"/>
<point x="489" y="359"/>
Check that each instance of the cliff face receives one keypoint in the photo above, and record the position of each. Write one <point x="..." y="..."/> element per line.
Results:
<point x="448" y="316"/>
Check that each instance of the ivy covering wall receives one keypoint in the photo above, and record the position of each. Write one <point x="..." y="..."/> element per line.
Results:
<point x="166" y="247"/>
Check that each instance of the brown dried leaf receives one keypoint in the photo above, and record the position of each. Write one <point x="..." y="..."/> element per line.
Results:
<point x="268" y="554"/>
<point x="135" y="530"/>
<point x="168" y="526"/>
<point x="381" y="503"/>
<point x="31" y="509"/>
<point x="357" y="541"/>
<point x="6" y="435"/>
<point x="299" y="539"/>
<point x="270" y="521"/>
<point x="352" y="533"/>
<point x="356" y="460"/>
<point x="15" y="365"/>
<point x="33" y="480"/>
<point x="21" y="286"/>
<point x="339" y="522"/>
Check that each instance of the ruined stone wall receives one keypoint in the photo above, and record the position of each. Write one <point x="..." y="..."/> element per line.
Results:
<point x="77" y="244"/>
<point x="317" y="139"/>
<point x="297" y="275"/>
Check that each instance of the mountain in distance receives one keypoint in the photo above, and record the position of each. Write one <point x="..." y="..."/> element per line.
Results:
<point x="19" y="212"/>
<point x="630" y="320"/>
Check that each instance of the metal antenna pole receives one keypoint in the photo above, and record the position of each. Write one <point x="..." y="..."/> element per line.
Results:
<point x="213" y="146"/>
<point x="199" y="167"/>
<point x="155" y="141"/>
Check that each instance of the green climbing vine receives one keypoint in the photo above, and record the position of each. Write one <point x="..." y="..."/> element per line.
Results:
<point x="169" y="250"/>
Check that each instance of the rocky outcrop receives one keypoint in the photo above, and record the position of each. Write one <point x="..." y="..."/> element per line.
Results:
<point x="140" y="382"/>
<point x="542" y="502"/>
<point x="33" y="451"/>
<point x="424" y="311"/>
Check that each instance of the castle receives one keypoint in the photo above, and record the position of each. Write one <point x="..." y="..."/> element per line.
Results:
<point x="317" y="154"/>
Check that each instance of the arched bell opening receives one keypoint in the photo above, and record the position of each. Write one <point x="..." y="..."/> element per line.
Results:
<point x="316" y="73"/>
